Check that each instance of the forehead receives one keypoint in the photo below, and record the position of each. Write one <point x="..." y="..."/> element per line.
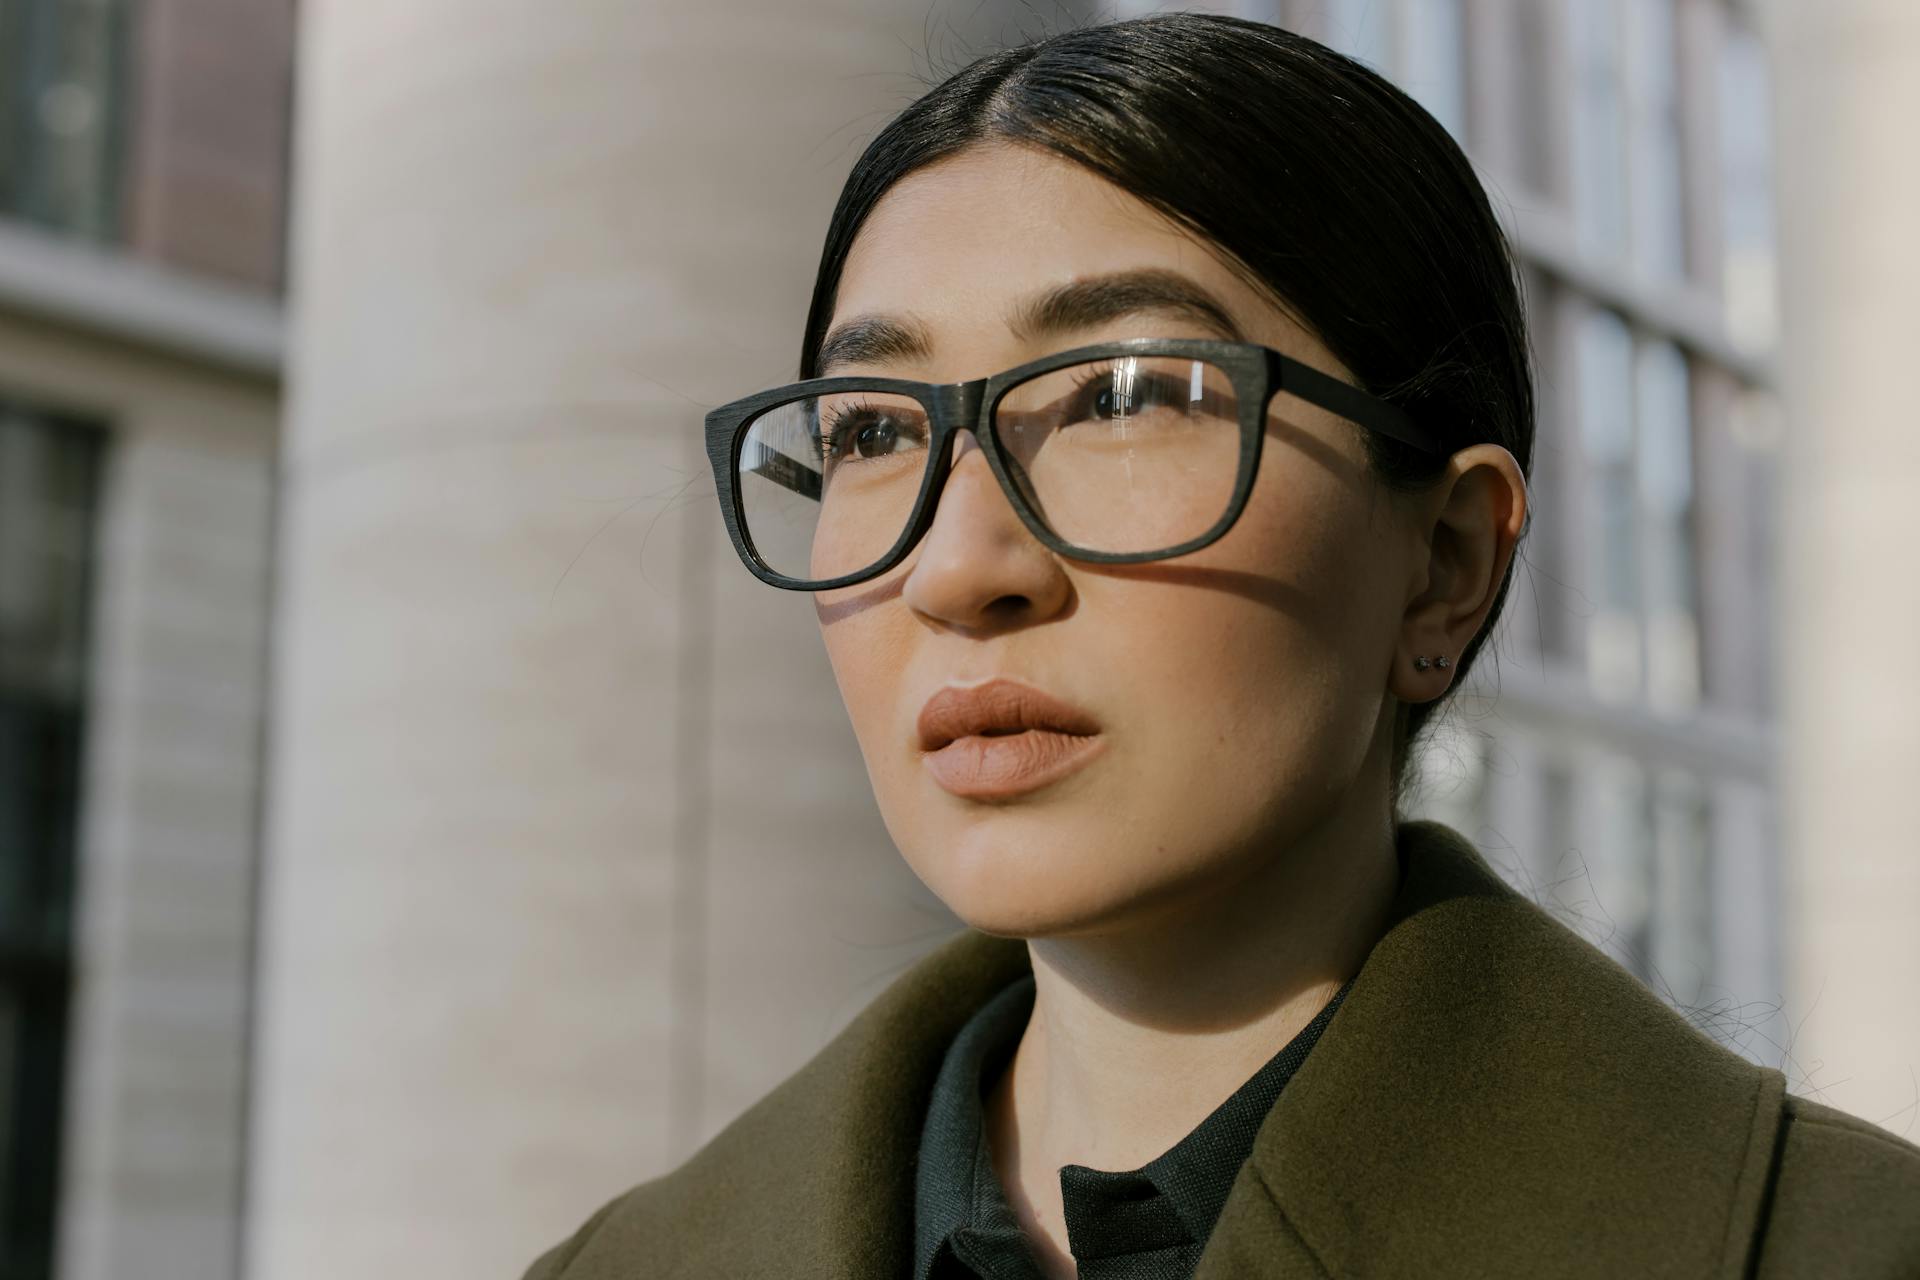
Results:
<point x="962" y="248"/>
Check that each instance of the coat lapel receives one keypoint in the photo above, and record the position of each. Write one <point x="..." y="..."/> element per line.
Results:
<point x="1494" y="1097"/>
<point x="816" y="1178"/>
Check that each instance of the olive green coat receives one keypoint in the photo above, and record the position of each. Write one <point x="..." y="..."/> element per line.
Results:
<point x="1495" y="1098"/>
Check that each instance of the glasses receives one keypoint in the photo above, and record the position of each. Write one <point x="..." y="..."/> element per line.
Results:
<point x="1117" y="453"/>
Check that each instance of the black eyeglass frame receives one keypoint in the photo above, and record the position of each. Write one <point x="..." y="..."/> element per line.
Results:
<point x="1258" y="373"/>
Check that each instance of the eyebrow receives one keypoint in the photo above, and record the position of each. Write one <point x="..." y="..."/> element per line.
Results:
<point x="1067" y="308"/>
<point x="873" y="339"/>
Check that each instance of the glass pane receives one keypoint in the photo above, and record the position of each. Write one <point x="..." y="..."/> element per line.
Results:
<point x="1666" y="501"/>
<point x="9" y="1088"/>
<point x="1599" y="127"/>
<point x="59" y="112"/>
<point x="1448" y="776"/>
<point x="1746" y="179"/>
<point x="1680" y="958"/>
<point x="1418" y="44"/>
<point x="1434" y="66"/>
<point x="1363" y="29"/>
<point x="48" y="488"/>
<point x="46" y="523"/>
<point x="1744" y="882"/>
<point x="1659" y="224"/>
<point x="1612" y="578"/>
<point x="827" y="483"/>
<point x="1611" y="842"/>
<point x="1531" y="34"/>
<point x="1130" y="455"/>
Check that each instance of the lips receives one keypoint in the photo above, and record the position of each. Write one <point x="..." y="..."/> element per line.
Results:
<point x="1003" y="739"/>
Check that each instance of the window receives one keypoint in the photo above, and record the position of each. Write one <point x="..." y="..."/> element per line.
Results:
<point x="1658" y="226"/>
<point x="1663" y="469"/>
<point x="1363" y="29"/>
<point x="61" y="77"/>
<point x="1599" y="127"/>
<point x="47" y="481"/>
<point x="1643" y="635"/>
<point x="1605" y="426"/>
<point x="1419" y="43"/>
<point x="1746" y="180"/>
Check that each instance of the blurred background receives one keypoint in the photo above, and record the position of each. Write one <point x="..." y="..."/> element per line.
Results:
<point x="416" y="827"/>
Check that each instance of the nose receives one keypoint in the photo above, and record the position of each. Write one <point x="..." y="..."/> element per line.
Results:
<point x="979" y="569"/>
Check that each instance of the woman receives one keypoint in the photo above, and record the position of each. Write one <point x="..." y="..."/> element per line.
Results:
<point x="1136" y="599"/>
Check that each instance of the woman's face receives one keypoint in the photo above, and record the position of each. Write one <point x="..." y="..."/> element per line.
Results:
<point x="1240" y="693"/>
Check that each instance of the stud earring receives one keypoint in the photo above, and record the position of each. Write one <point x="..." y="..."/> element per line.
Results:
<point x="1422" y="663"/>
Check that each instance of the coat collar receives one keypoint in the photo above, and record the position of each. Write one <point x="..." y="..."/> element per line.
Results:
<point x="1497" y="1097"/>
<point x="1494" y="1096"/>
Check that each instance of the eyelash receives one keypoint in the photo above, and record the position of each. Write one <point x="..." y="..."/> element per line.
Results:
<point x="834" y="430"/>
<point x="1105" y="374"/>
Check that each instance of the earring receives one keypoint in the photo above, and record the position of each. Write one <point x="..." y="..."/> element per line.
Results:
<point x="1422" y="663"/>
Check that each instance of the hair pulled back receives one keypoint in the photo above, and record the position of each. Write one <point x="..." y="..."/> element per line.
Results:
<point x="1319" y="182"/>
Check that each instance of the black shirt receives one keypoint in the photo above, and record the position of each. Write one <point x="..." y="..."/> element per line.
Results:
<point x="1149" y="1223"/>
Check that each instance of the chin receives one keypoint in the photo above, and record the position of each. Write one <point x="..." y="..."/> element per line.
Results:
<point x="1027" y="885"/>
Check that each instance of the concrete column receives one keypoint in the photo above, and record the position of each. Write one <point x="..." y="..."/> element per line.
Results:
<point x="1848" y="90"/>
<point x="571" y="854"/>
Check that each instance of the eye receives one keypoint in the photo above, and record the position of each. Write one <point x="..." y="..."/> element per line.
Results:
<point x="867" y="432"/>
<point x="1094" y="399"/>
<point x="1103" y="396"/>
<point x="876" y="436"/>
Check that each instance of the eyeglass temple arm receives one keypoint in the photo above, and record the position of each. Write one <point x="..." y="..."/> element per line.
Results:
<point x="1351" y="402"/>
<point x="787" y="473"/>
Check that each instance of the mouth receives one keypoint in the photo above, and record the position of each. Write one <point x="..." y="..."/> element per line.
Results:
<point x="1004" y="738"/>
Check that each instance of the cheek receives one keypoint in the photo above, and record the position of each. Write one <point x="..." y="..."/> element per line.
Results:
<point x="1312" y="531"/>
<point x="1225" y="691"/>
<point x="859" y="667"/>
<point x="1275" y="666"/>
<point x="869" y="651"/>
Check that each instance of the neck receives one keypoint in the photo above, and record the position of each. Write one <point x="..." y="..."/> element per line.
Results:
<point x="1139" y="1032"/>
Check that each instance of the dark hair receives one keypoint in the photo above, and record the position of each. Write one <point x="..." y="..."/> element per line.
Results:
<point x="1326" y="188"/>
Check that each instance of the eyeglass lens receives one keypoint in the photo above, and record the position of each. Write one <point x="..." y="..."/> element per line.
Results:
<point x="1128" y="455"/>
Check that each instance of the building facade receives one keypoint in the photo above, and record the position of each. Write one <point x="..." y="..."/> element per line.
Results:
<point x="142" y="205"/>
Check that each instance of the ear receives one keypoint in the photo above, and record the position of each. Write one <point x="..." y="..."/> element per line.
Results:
<point x="1471" y="522"/>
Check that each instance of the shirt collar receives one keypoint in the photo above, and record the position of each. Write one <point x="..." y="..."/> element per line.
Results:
<point x="954" y="1186"/>
<point x="1494" y="1098"/>
<point x="1169" y="1203"/>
